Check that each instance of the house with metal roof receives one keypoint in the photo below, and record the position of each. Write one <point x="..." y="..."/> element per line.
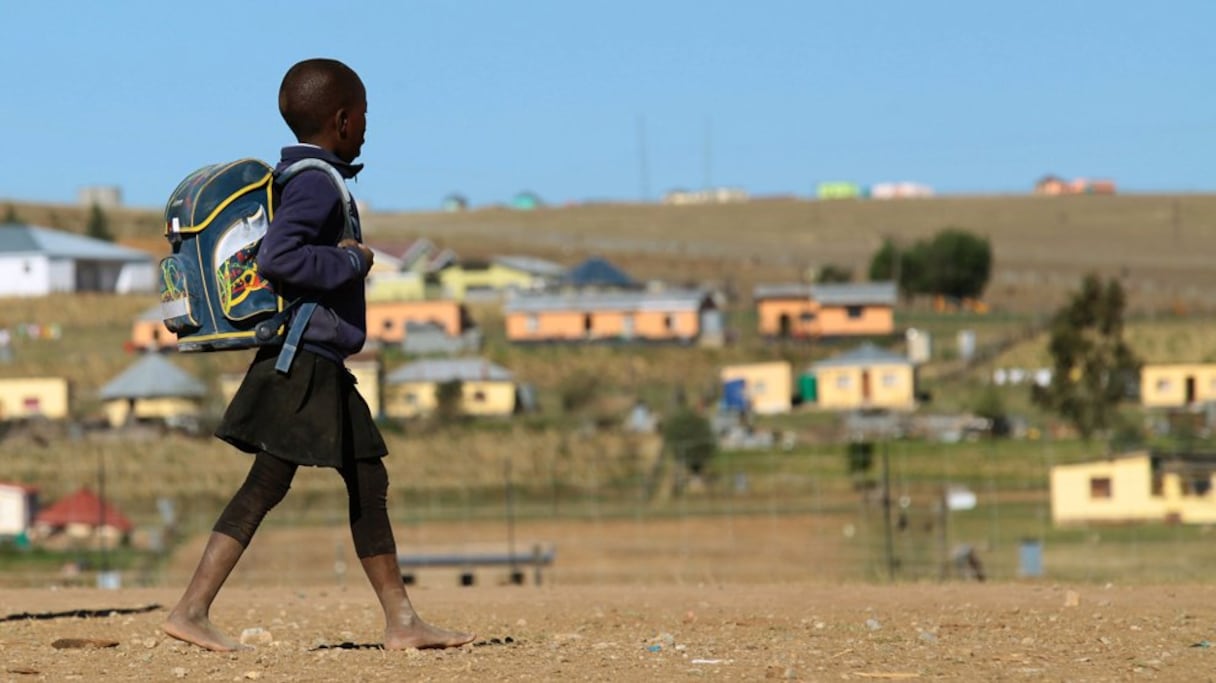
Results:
<point x="867" y="377"/>
<point x="681" y="316"/>
<point x="486" y="389"/>
<point x="1141" y="486"/>
<point x="478" y="279"/>
<point x="387" y="321"/>
<point x="36" y="261"/>
<point x="821" y="311"/>
<point x="152" y="389"/>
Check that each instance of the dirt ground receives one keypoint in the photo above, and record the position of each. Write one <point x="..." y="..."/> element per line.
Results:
<point x="788" y="631"/>
<point x="746" y="598"/>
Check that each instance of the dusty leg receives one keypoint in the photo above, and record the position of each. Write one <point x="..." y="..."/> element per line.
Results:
<point x="190" y="620"/>
<point x="266" y="484"/>
<point x="403" y="628"/>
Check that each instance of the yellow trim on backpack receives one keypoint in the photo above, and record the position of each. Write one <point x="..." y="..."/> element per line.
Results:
<point x="199" y="227"/>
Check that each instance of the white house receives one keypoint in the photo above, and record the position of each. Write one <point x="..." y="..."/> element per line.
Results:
<point x="36" y="261"/>
<point x="18" y="505"/>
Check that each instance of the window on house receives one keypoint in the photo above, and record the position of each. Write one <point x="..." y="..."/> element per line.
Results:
<point x="806" y="317"/>
<point x="843" y="382"/>
<point x="669" y="323"/>
<point x="411" y="399"/>
<point x="532" y="323"/>
<point x="854" y="312"/>
<point x="1099" y="487"/>
<point x="1158" y="485"/>
<point x="1163" y="385"/>
<point x="479" y="396"/>
<point x="889" y="379"/>
<point x="388" y="325"/>
<point x="1196" y="486"/>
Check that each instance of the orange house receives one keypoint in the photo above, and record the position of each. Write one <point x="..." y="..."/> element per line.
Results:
<point x="826" y="310"/>
<point x="386" y="319"/>
<point x="148" y="331"/>
<point x="675" y="316"/>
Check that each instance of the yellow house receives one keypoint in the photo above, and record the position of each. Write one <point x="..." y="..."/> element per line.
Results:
<point x="1136" y="487"/>
<point x="365" y="367"/>
<point x="763" y="388"/>
<point x="864" y="309"/>
<point x="26" y="397"/>
<point x="152" y="388"/>
<point x="506" y="273"/>
<point x="683" y="316"/>
<point x="396" y="286"/>
<point x="866" y="377"/>
<point x="1177" y="385"/>
<point x="486" y="389"/>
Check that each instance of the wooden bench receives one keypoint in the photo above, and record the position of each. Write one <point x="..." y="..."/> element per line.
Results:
<point x="538" y="558"/>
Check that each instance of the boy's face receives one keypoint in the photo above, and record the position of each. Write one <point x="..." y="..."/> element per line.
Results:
<point x="352" y="129"/>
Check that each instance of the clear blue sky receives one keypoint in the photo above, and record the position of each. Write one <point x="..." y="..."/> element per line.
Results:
<point x="492" y="97"/>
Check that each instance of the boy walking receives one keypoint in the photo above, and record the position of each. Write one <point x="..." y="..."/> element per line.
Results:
<point x="311" y="415"/>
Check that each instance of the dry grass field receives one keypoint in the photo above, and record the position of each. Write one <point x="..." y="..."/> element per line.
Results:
<point x="1158" y="245"/>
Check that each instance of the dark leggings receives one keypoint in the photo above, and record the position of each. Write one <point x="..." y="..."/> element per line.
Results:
<point x="269" y="479"/>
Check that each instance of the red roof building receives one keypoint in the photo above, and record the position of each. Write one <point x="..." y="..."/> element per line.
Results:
<point x="82" y="508"/>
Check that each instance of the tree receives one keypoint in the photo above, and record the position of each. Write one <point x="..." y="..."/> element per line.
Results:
<point x="99" y="225"/>
<point x="691" y="439"/>
<point x="905" y="267"/>
<point x="954" y="263"/>
<point x="1092" y="367"/>
<point x="958" y="264"/>
<point x="833" y="273"/>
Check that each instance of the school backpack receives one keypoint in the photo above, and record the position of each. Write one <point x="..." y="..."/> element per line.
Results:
<point x="212" y="296"/>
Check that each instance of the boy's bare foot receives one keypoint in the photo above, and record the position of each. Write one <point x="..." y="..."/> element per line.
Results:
<point x="416" y="633"/>
<point x="200" y="632"/>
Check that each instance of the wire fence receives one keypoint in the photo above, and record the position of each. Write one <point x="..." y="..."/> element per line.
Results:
<point x="610" y="510"/>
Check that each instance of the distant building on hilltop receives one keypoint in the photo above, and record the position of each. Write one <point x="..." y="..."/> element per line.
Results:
<point x="1055" y="186"/>
<point x="103" y="196"/>
<point x="713" y="195"/>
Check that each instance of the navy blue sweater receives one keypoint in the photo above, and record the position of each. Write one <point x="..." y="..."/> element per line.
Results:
<point x="300" y="256"/>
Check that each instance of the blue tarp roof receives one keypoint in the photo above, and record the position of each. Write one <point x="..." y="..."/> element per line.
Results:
<point x="598" y="272"/>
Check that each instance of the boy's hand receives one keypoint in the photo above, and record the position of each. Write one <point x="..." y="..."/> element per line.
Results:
<point x="363" y="250"/>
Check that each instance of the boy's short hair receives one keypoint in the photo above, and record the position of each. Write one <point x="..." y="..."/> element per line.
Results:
<point x="313" y="90"/>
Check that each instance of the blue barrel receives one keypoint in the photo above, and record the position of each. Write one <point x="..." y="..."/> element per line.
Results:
<point x="1030" y="558"/>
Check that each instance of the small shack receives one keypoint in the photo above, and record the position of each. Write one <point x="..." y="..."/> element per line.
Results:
<point x="82" y="515"/>
<point x="152" y="388"/>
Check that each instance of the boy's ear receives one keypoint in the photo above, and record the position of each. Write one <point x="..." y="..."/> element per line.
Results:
<point x="342" y="118"/>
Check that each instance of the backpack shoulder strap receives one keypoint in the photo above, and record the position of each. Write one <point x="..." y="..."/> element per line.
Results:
<point x="348" y="203"/>
<point x="295" y="331"/>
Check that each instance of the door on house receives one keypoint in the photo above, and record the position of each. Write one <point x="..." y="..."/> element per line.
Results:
<point x="865" y="385"/>
<point x="1190" y="389"/>
<point x="783" y="325"/>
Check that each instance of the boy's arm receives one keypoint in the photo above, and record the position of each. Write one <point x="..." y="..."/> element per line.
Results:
<point x="294" y="250"/>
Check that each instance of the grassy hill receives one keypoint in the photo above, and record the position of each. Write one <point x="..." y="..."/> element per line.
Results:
<point x="1159" y="245"/>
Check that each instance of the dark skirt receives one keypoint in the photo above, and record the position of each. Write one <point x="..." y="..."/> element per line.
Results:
<point x="311" y="416"/>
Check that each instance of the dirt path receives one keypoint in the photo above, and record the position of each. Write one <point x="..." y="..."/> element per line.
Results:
<point x="789" y="631"/>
